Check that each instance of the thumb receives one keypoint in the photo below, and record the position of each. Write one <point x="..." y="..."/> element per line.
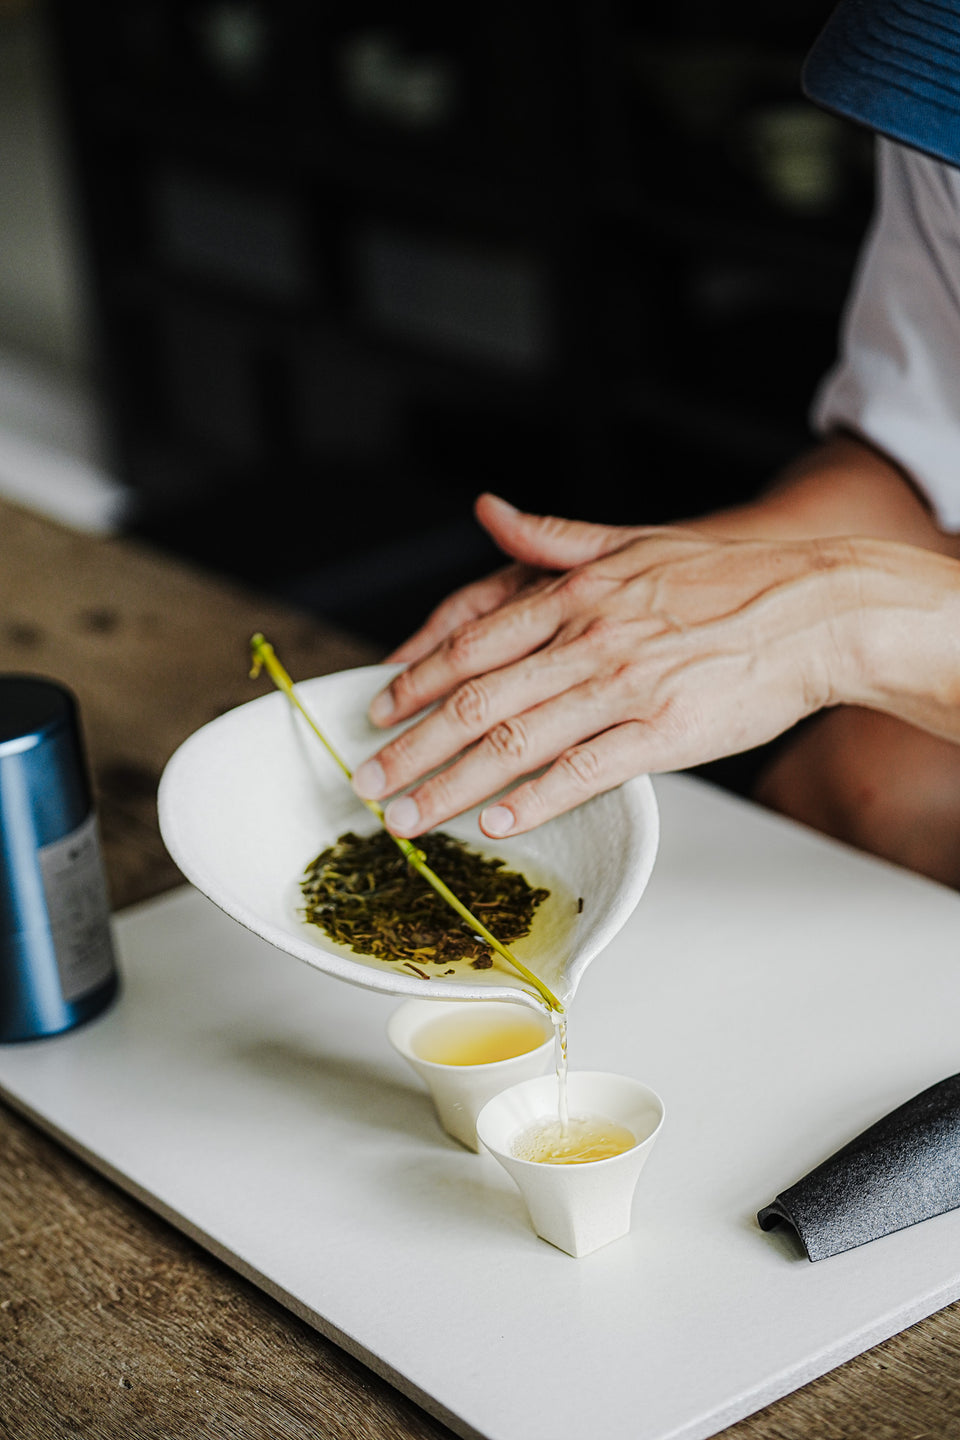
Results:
<point x="546" y="541"/>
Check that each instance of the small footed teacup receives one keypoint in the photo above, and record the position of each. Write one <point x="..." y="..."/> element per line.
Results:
<point x="576" y="1206"/>
<point x="467" y="1051"/>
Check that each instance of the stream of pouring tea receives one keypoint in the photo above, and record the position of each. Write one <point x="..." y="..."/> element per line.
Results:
<point x="560" y="1024"/>
<point x="571" y="1140"/>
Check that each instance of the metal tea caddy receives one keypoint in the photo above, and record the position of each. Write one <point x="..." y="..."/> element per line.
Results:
<point x="57" y="963"/>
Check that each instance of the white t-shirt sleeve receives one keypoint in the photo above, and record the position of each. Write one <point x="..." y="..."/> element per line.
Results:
<point x="897" y="381"/>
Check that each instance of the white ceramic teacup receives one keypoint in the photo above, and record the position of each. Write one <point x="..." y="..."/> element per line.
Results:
<point x="460" y="1091"/>
<point x="579" y="1207"/>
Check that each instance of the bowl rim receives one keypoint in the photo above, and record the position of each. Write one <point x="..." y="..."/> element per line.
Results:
<point x="636" y="795"/>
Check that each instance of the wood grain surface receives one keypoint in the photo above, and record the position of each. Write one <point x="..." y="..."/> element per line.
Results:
<point x="113" y="1326"/>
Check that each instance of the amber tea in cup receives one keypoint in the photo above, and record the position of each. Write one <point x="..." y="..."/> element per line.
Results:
<point x="479" y="1035"/>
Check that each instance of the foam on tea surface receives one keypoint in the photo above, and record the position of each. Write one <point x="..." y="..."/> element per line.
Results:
<point x="579" y="1140"/>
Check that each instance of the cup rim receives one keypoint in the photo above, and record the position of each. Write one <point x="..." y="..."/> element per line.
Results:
<point x="409" y="1054"/>
<point x="583" y="1165"/>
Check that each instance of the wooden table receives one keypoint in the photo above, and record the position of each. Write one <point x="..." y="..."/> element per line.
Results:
<point x="113" y="1326"/>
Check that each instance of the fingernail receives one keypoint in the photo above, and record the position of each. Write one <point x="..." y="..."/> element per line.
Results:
<point x="381" y="708"/>
<point x="504" y="503"/>
<point x="369" y="780"/>
<point x="403" y="815"/>
<point x="498" y="820"/>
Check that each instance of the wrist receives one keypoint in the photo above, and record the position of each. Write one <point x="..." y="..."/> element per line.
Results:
<point x="899" y="650"/>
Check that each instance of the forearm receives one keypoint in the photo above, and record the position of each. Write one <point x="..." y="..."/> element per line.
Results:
<point x="841" y="487"/>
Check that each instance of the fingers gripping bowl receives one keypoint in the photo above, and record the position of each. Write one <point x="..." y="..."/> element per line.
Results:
<point x="250" y="799"/>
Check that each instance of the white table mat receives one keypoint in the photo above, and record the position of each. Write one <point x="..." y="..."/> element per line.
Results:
<point x="779" y="991"/>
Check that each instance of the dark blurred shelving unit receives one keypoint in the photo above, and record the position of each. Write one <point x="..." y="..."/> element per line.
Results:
<point x="353" y="264"/>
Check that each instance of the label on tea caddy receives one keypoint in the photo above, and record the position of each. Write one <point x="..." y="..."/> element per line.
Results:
<point x="78" y="908"/>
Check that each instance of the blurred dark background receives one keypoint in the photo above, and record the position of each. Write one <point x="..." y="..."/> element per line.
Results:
<point x="351" y="264"/>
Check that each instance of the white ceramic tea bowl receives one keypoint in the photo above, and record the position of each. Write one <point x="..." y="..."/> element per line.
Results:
<point x="578" y="1208"/>
<point x="460" y="1091"/>
<point x="250" y="799"/>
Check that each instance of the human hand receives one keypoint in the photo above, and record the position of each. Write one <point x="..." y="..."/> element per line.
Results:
<point x="665" y="649"/>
